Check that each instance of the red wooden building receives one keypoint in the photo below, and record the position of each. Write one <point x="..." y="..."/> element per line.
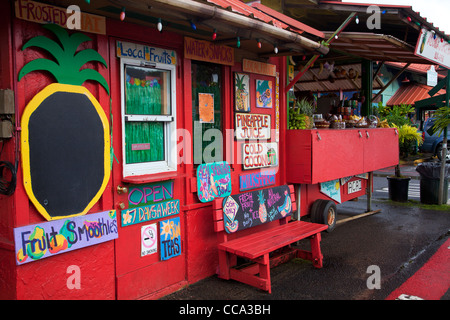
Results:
<point x="115" y="117"/>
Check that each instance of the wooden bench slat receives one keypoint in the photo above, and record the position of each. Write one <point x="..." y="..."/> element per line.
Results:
<point x="257" y="244"/>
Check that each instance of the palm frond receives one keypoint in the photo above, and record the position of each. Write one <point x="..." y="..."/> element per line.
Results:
<point x="85" y="56"/>
<point x="89" y="74"/>
<point x="47" y="44"/>
<point x="75" y="40"/>
<point x="42" y="65"/>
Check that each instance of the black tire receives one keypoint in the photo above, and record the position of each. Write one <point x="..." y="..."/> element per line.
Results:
<point x="324" y="212"/>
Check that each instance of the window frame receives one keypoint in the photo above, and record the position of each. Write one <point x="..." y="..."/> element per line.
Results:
<point x="169" y="164"/>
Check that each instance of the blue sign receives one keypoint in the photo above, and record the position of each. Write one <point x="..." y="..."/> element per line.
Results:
<point x="170" y="238"/>
<point x="254" y="180"/>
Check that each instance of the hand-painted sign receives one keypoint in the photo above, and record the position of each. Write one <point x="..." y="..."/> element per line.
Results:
<point x="208" y="51"/>
<point x="332" y="189"/>
<point x="433" y="48"/>
<point x="259" y="155"/>
<point x="150" y="212"/>
<point x="252" y="126"/>
<point x="245" y="210"/>
<point x="213" y="180"/>
<point x="254" y="180"/>
<point x="259" y="67"/>
<point x="44" y="13"/>
<point x="264" y="94"/>
<point x="170" y="238"/>
<point x="150" y="193"/>
<point x="149" y="239"/>
<point x="39" y="241"/>
<point x="145" y="53"/>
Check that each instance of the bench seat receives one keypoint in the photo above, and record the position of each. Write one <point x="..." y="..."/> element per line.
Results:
<point x="257" y="244"/>
<point x="264" y="248"/>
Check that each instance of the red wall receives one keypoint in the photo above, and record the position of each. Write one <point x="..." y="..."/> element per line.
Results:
<point x="115" y="270"/>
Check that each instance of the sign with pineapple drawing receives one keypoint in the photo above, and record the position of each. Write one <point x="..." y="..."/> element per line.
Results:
<point x="249" y="209"/>
<point x="65" y="132"/>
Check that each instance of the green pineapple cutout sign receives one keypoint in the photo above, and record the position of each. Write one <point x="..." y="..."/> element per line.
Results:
<point x="65" y="132"/>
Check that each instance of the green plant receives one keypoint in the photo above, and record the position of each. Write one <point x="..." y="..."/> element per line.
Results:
<point x="397" y="115"/>
<point x="300" y="116"/>
<point x="407" y="137"/>
<point x="442" y="116"/>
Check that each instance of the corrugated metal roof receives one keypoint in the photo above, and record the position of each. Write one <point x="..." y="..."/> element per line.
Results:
<point x="321" y="79"/>
<point x="410" y="93"/>
<point x="266" y="14"/>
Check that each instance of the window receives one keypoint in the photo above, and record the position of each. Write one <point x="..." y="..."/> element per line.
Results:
<point x="207" y="139"/>
<point x="148" y="117"/>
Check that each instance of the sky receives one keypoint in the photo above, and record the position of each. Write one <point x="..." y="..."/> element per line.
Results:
<point x="436" y="11"/>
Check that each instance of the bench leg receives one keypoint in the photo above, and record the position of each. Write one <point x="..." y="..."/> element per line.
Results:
<point x="224" y="265"/>
<point x="264" y="272"/>
<point x="317" y="257"/>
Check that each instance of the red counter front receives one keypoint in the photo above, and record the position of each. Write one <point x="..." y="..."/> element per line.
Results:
<point x="321" y="155"/>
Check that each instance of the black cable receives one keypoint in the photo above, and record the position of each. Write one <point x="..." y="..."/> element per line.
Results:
<point x="7" y="187"/>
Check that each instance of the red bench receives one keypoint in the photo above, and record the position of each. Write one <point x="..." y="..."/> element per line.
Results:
<point x="265" y="248"/>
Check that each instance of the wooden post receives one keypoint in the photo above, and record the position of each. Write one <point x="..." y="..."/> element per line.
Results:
<point x="444" y="146"/>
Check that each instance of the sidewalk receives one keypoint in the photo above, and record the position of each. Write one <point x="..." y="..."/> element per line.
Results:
<point x="407" y="167"/>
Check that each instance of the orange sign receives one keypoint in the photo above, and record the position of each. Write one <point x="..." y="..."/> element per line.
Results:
<point x="43" y="13"/>
<point x="259" y="67"/>
<point x="208" y="51"/>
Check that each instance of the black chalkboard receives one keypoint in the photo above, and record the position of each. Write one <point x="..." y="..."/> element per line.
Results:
<point x="249" y="209"/>
<point x="66" y="147"/>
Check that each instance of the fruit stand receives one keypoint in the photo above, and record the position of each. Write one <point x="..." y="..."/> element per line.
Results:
<point x="330" y="166"/>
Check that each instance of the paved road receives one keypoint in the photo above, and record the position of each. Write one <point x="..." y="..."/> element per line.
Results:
<point x="398" y="241"/>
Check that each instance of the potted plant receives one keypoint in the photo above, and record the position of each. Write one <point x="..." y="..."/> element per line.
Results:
<point x="399" y="184"/>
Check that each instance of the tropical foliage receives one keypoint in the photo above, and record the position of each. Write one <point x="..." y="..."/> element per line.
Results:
<point x="407" y="137"/>
<point x="67" y="67"/>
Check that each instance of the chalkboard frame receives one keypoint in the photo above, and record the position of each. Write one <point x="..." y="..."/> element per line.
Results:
<point x="25" y="140"/>
<point x="276" y="201"/>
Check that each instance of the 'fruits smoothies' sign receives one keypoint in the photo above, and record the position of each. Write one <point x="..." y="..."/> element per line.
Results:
<point x="259" y="155"/>
<point x="252" y="126"/>
<point x="39" y="241"/>
<point x="245" y="210"/>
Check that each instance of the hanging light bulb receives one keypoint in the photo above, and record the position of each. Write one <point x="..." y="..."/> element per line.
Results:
<point x="357" y="20"/>
<point x="159" y="25"/>
<point x="409" y="19"/>
<point x="238" y="42"/>
<point x="275" y="48"/>
<point x="88" y="1"/>
<point x="214" y="35"/>
<point x="259" y="43"/>
<point x="122" y="14"/>
<point x="193" y="26"/>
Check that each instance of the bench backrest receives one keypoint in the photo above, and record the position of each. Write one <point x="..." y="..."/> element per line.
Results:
<point x="249" y="209"/>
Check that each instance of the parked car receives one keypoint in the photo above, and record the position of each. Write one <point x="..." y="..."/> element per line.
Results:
<point x="432" y="143"/>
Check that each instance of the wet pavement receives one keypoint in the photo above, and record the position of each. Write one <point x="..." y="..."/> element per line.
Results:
<point x="397" y="242"/>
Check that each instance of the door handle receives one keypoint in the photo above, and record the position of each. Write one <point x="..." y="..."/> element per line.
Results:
<point x="360" y="134"/>
<point x="367" y="135"/>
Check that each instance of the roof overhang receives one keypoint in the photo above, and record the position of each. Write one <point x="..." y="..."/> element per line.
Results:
<point x="229" y="18"/>
<point x="376" y="47"/>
